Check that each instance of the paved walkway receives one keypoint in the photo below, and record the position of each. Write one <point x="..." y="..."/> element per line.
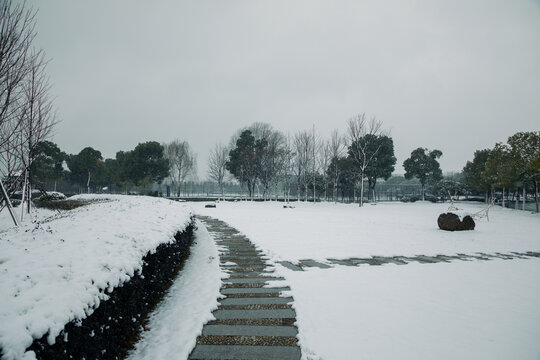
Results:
<point x="252" y="321"/>
<point x="402" y="260"/>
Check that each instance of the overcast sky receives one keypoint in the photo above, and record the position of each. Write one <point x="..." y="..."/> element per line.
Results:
<point x="454" y="75"/>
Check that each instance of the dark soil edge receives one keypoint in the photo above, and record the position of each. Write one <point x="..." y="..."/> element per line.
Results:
<point x="116" y="325"/>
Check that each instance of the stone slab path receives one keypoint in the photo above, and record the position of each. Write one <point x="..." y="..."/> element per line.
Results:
<point x="252" y="321"/>
<point x="403" y="260"/>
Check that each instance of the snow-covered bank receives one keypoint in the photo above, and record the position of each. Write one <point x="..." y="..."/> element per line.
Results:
<point x="57" y="270"/>
<point x="324" y="230"/>
<point x="461" y="310"/>
<point x="188" y="305"/>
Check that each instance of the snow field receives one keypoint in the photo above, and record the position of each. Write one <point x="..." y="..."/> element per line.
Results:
<point x="57" y="270"/>
<point x="460" y="310"/>
<point x="325" y="230"/>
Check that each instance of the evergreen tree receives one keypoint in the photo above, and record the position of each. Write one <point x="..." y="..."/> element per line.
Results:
<point x="424" y="166"/>
<point x="382" y="165"/>
<point x="83" y="165"/>
<point x="242" y="163"/>
<point x="47" y="164"/>
<point x="474" y="172"/>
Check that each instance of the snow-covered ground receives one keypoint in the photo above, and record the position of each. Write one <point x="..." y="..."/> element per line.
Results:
<point x="56" y="267"/>
<point x="463" y="309"/>
<point x="326" y="230"/>
<point x="178" y="320"/>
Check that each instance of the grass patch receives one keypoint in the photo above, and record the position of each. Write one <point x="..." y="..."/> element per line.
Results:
<point x="60" y="204"/>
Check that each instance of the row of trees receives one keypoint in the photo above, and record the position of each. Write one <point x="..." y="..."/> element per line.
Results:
<point x="149" y="162"/>
<point x="508" y="167"/>
<point x="27" y="114"/>
<point x="261" y="156"/>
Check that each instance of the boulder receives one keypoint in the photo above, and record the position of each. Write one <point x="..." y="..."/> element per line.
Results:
<point x="467" y="223"/>
<point x="452" y="222"/>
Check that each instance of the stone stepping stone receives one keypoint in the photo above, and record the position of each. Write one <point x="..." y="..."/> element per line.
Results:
<point x="239" y="352"/>
<point x="389" y="260"/>
<point x="255" y="322"/>
<point x="261" y="274"/>
<point x="289" y="265"/>
<point x="430" y="259"/>
<point x="475" y="257"/>
<point x="449" y="258"/>
<point x="313" y="263"/>
<point x="256" y="301"/>
<point x="341" y="262"/>
<point x="254" y="314"/>
<point x="368" y="261"/>
<point x="519" y="256"/>
<point x="251" y="280"/>
<point x="249" y="330"/>
<point x="252" y="321"/>
<point x="277" y="290"/>
<point x="247" y="340"/>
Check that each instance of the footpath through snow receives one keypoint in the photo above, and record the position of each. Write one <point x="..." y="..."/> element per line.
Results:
<point x="57" y="269"/>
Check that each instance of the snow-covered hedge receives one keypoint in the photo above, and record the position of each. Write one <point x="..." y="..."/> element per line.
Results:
<point x="58" y="270"/>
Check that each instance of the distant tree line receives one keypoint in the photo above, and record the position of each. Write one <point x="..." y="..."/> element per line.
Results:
<point x="507" y="171"/>
<point x="135" y="170"/>
<point x="267" y="164"/>
<point x="260" y="157"/>
<point x="310" y="167"/>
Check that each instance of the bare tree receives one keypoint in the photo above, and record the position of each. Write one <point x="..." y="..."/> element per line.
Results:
<point x="16" y="35"/>
<point x="26" y="109"/>
<point x="304" y="146"/>
<point x="336" y="149"/>
<point x="324" y="159"/>
<point x="182" y="162"/>
<point x="272" y="159"/>
<point x="288" y="166"/>
<point x="216" y="166"/>
<point x="362" y="134"/>
<point x="37" y="117"/>
<point x="317" y="143"/>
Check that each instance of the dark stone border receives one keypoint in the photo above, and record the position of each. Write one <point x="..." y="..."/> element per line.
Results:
<point x="115" y="326"/>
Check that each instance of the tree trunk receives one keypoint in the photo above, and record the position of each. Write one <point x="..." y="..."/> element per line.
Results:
<point x="503" y="198"/>
<point x="29" y="197"/>
<point x="362" y="191"/>
<point x="524" y="198"/>
<point x="8" y="203"/>
<point x="423" y="196"/>
<point x="536" y="194"/>
<point x="23" y="198"/>
<point x="88" y="183"/>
